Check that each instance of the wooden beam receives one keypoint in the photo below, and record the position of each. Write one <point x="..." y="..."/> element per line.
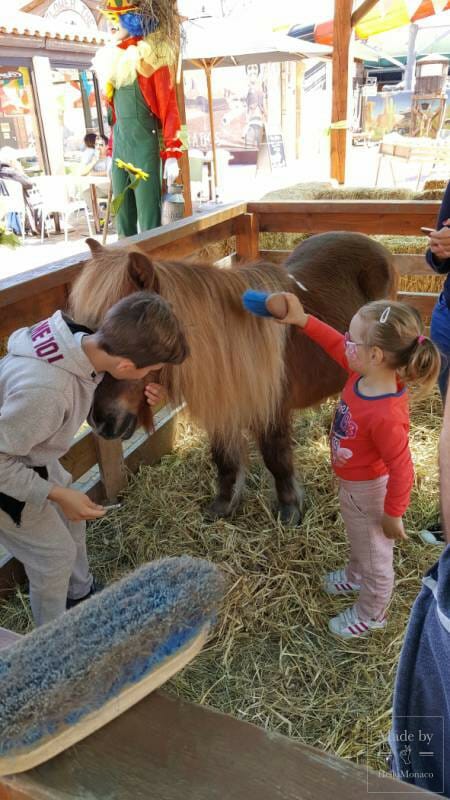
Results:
<point x="362" y="11"/>
<point x="247" y="237"/>
<point x="340" y="111"/>
<point x="169" y="749"/>
<point x="184" y="160"/>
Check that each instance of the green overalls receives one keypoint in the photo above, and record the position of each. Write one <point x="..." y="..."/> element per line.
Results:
<point x="136" y="140"/>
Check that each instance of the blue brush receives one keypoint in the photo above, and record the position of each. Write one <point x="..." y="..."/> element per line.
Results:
<point x="255" y="302"/>
<point x="264" y="304"/>
<point x="68" y="678"/>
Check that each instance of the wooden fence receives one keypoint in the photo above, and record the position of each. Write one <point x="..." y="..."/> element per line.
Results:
<point x="27" y="298"/>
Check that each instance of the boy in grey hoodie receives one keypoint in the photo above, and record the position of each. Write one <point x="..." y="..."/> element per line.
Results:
<point x="47" y="384"/>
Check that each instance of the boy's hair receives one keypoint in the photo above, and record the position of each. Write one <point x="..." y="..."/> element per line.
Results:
<point x="397" y="329"/>
<point x="143" y="328"/>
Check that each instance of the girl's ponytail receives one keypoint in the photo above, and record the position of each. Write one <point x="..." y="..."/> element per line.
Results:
<point x="423" y="365"/>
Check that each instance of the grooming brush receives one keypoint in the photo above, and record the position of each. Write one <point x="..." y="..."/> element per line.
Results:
<point x="263" y="304"/>
<point x="70" y="677"/>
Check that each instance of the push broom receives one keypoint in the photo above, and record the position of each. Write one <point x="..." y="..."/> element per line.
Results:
<point x="70" y="677"/>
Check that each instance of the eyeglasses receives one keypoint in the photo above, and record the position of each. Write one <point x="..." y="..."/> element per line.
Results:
<point x="349" y="343"/>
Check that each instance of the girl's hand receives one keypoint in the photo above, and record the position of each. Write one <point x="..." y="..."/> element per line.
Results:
<point x="440" y="241"/>
<point x="295" y="312"/>
<point x="393" y="527"/>
<point x="154" y="393"/>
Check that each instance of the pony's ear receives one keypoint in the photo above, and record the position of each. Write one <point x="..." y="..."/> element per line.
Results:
<point x="95" y="247"/>
<point x="142" y="272"/>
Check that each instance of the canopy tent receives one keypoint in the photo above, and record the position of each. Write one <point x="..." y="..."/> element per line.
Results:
<point x="210" y="44"/>
<point x="387" y="15"/>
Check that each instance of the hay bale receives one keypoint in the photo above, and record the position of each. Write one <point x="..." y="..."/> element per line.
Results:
<point x="320" y="191"/>
<point x="272" y="661"/>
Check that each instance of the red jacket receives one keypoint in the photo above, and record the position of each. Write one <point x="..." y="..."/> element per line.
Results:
<point x="374" y="429"/>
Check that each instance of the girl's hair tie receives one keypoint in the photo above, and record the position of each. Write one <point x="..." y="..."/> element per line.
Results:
<point x="421" y="339"/>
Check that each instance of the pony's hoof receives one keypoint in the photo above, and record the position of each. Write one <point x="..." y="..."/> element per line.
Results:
<point x="218" y="509"/>
<point x="289" y="514"/>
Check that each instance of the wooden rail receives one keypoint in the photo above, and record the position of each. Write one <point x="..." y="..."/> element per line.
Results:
<point x="166" y="749"/>
<point x="28" y="297"/>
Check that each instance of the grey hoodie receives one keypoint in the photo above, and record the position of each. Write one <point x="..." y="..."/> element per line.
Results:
<point x="47" y="385"/>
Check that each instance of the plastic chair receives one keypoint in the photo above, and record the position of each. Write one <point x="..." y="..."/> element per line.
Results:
<point x="14" y="202"/>
<point x="58" y="194"/>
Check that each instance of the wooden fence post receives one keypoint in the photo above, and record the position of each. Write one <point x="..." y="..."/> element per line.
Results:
<point x="340" y="111"/>
<point x="111" y="465"/>
<point x="247" y="237"/>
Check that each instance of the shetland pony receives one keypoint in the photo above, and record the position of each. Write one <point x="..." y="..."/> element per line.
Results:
<point x="243" y="372"/>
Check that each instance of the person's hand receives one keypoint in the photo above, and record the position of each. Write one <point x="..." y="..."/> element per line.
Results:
<point x="171" y="169"/>
<point x="154" y="393"/>
<point x="393" y="527"/>
<point x="440" y="241"/>
<point x="341" y="456"/>
<point x="295" y="311"/>
<point x="76" y="506"/>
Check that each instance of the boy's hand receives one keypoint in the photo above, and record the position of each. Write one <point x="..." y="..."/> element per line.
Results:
<point x="393" y="527"/>
<point x="154" y="393"/>
<point x="76" y="506"/>
<point x="295" y="311"/>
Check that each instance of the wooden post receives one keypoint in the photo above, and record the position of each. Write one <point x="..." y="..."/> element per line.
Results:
<point x="299" y="73"/>
<point x="208" y="68"/>
<point x="184" y="160"/>
<point x="340" y="111"/>
<point x="111" y="465"/>
<point x="247" y="237"/>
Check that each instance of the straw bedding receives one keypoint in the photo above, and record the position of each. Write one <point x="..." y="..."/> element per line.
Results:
<point x="273" y="661"/>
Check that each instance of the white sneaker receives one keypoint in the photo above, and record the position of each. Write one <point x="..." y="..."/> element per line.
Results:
<point x="348" y="625"/>
<point x="338" y="583"/>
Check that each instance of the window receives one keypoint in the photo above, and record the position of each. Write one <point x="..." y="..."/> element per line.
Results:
<point x="18" y="123"/>
<point x="78" y="112"/>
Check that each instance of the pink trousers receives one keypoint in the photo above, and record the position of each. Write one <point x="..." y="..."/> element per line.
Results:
<point x="371" y="553"/>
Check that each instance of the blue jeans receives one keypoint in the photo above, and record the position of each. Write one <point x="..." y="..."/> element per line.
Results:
<point x="440" y="334"/>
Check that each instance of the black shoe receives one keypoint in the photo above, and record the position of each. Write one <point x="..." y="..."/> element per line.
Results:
<point x="95" y="588"/>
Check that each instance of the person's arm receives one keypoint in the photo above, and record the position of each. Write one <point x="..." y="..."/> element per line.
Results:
<point x="159" y="93"/>
<point x="438" y="252"/>
<point x="26" y="420"/>
<point x="392" y="442"/>
<point x="444" y="469"/>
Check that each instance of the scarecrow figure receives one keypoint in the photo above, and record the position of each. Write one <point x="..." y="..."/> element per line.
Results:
<point x="136" y="71"/>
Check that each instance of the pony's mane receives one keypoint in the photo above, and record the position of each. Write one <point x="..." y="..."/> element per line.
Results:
<point x="234" y="376"/>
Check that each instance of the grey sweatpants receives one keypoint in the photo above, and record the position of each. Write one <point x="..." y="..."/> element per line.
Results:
<point x="52" y="550"/>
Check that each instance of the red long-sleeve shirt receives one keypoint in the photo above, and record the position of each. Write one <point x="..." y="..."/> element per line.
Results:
<point x="373" y="429"/>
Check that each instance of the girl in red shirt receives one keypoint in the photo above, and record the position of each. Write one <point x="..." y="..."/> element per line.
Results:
<point x="383" y="350"/>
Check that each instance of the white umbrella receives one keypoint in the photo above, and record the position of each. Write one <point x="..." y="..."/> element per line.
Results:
<point x="225" y="44"/>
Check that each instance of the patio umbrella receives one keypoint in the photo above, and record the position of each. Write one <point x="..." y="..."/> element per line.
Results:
<point x="224" y="44"/>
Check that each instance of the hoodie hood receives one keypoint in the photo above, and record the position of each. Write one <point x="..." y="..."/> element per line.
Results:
<point x="54" y="341"/>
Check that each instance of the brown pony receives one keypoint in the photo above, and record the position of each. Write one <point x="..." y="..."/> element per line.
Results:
<point x="243" y="372"/>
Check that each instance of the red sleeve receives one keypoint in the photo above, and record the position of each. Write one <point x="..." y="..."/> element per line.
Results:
<point x="160" y="95"/>
<point x="328" y="338"/>
<point x="391" y="440"/>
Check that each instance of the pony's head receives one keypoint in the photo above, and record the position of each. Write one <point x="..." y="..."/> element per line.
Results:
<point x="112" y="273"/>
<point x="119" y="407"/>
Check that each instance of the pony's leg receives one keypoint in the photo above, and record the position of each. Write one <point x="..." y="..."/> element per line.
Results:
<point x="276" y="448"/>
<point x="230" y="479"/>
